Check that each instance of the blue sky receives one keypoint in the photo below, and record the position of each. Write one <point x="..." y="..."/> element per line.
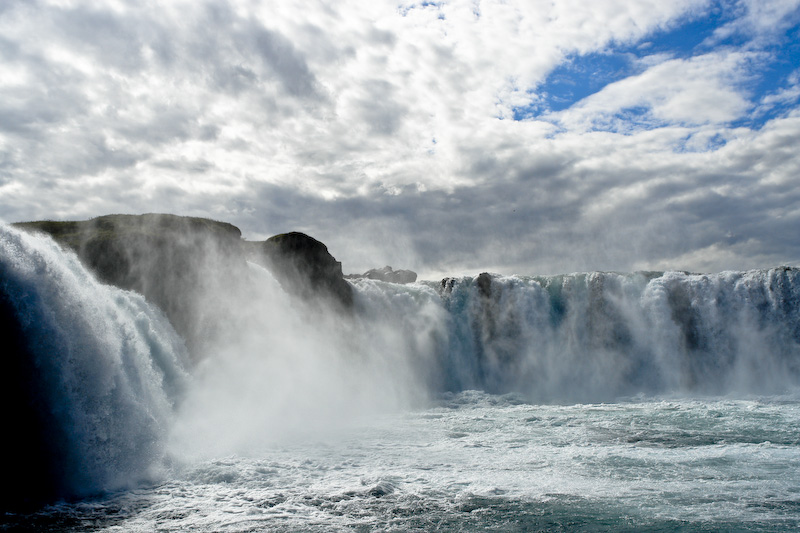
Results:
<point x="448" y="137"/>
<point x="714" y="29"/>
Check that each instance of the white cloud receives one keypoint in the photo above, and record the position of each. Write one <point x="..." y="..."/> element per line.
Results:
<point x="783" y="96"/>
<point x="365" y="118"/>
<point x="700" y="90"/>
<point x="761" y="21"/>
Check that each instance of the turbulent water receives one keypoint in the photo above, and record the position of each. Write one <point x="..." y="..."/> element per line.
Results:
<point x="599" y="401"/>
<point x="474" y="461"/>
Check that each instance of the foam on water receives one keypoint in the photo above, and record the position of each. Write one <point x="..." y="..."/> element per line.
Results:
<point x="476" y="461"/>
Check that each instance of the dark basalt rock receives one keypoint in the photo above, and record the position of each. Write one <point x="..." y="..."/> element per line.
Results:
<point x="185" y="265"/>
<point x="484" y="283"/>
<point x="387" y="274"/>
<point x="305" y="268"/>
<point x="447" y="286"/>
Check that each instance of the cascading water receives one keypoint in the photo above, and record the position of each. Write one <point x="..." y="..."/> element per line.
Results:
<point x="94" y="372"/>
<point x="599" y="336"/>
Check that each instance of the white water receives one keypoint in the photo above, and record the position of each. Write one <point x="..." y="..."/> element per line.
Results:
<point x="109" y="366"/>
<point x="476" y="462"/>
<point x="299" y="419"/>
<point x="599" y="336"/>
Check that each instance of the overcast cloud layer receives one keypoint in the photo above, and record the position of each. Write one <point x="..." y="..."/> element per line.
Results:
<point x="447" y="137"/>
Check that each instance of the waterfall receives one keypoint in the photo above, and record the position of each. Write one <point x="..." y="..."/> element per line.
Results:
<point x="97" y="394"/>
<point x="90" y="380"/>
<point x="597" y="336"/>
<point x="601" y="335"/>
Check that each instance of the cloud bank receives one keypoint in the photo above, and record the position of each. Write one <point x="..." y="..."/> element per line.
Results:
<point x="447" y="137"/>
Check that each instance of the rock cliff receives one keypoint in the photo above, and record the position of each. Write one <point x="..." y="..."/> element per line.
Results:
<point x="304" y="267"/>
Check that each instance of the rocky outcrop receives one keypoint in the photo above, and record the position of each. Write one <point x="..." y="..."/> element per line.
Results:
<point x="484" y="283"/>
<point x="304" y="267"/>
<point x="387" y="274"/>
<point x="190" y="266"/>
<point x="446" y="286"/>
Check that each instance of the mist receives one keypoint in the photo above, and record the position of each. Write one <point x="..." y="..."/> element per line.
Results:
<point x="289" y="370"/>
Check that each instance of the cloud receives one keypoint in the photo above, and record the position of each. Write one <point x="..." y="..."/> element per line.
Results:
<point x="283" y="59"/>
<point x="387" y="130"/>
<point x="590" y="201"/>
<point x="700" y="90"/>
<point x="761" y="22"/>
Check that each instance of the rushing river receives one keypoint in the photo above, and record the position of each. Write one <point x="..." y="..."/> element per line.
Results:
<point x="474" y="462"/>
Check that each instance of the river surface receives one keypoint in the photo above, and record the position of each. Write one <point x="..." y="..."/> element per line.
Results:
<point x="473" y="461"/>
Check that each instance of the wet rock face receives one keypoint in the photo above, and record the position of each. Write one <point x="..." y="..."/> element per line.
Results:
<point x="187" y="265"/>
<point x="447" y="286"/>
<point x="305" y="268"/>
<point x="484" y="283"/>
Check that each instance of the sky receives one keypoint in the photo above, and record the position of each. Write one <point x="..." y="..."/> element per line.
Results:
<point x="450" y="137"/>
